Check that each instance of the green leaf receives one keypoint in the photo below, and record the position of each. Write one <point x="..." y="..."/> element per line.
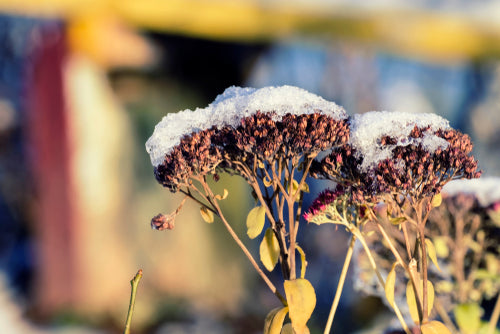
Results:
<point x="274" y="320"/>
<point x="434" y="327"/>
<point x="412" y="301"/>
<point x="485" y="327"/>
<point x="301" y="300"/>
<point x="468" y="317"/>
<point x="269" y="250"/>
<point x="432" y="252"/>
<point x="207" y="215"/>
<point x="397" y="220"/>
<point x="255" y="221"/>
<point x="390" y="284"/>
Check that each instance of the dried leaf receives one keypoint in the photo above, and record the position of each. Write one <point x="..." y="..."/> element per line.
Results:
<point x="303" y="261"/>
<point x="267" y="182"/>
<point x="255" y="221"/>
<point x="412" y="301"/>
<point x="431" y="251"/>
<point x="436" y="200"/>
<point x="301" y="299"/>
<point x="269" y="250"/>
<point x="274" y="320"/>
<point x="207" y="215"/>
<point x="397" y="220"/>
<point x="224" y="196"/>
<point x="390" y="285"/>
<point x="434" y="327"/>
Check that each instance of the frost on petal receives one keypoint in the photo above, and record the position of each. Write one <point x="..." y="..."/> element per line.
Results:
<point x="230" y="108"/>
<point x="367" y="131"/>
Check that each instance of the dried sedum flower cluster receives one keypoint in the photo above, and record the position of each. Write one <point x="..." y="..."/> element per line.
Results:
<point x="372" y="153"/>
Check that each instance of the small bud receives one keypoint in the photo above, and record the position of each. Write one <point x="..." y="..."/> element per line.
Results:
<point x="161" y="222"/>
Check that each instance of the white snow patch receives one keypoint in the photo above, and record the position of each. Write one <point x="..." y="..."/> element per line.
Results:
<point x="367" y="130"/>
<point x="485" y="189"/>
<point x="230" y="107"/>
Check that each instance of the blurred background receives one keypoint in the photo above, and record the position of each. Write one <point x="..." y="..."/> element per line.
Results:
<point x="82" y="84"/>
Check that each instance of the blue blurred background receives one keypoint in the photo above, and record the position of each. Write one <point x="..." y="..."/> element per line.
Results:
<point x="82" y="85"/>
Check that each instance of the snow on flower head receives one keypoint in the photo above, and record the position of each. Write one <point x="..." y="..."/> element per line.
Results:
<point x="230" y="108"/>
<point x="368" y="130"/>
<point x="485" y="189"/>
<point x="387" y="152"/>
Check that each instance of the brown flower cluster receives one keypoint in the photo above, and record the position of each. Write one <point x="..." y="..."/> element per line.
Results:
<point x="196" y="154"/>
<point x="258" y="138"/>
<point x="411" y="169"/>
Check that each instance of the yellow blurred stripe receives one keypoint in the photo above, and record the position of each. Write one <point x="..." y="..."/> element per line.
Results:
<point x="415" y="33"/>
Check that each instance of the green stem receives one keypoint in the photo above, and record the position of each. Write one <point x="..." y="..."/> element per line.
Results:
<point x="134" y="283"/>
<point x="340" y="285"/>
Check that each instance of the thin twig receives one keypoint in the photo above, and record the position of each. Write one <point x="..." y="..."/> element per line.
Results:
<point x="134" y="283"/>
<point x="242" y="246"/>
<point x="340" y="285"/>
<point x="494" y="317"/>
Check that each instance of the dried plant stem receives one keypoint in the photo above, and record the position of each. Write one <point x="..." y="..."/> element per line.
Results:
<point x="423" y="268"/>
<point x="407" y="239"/>
<point x="494" y="317"/>
<point x="240" y="243"/>
<point x="293" y="236"/>
<point x="134" y="283"/>
<point x="425" y="303"/>
<point x="444" y="315"/>
<point x="380" y="279"/>
<point x="410" y="272"/>
<point x="340" y="285"/>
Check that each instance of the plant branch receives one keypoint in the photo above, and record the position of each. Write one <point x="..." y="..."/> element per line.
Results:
<point x="134" y="283"/>
<point x="340" y="284"/>
<point x="242" y="246"/>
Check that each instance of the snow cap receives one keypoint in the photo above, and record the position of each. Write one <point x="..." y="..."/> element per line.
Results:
<point x="367" y="129"/>
<point x="229" y="108"/>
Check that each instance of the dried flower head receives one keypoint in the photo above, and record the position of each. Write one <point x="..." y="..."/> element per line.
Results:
<point x="243" y="124"/>
<point x="162" y="222"/>
<point x="414" y="154"/>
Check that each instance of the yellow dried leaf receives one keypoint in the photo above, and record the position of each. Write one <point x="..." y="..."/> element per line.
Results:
<point x="301" y="299"/>
<point x="224" y="196"/>
<point x="434" y="327"/>
<point x="436" y="200"/>
<point x="412" y="301"/>
<point x="274" y="320"/>
<point x="269" y="250"/>
<point x="390" y="284"/>
<point x="207" y="215"/>
<point x="255" y="221"/>
<point x="431" y="251"/>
